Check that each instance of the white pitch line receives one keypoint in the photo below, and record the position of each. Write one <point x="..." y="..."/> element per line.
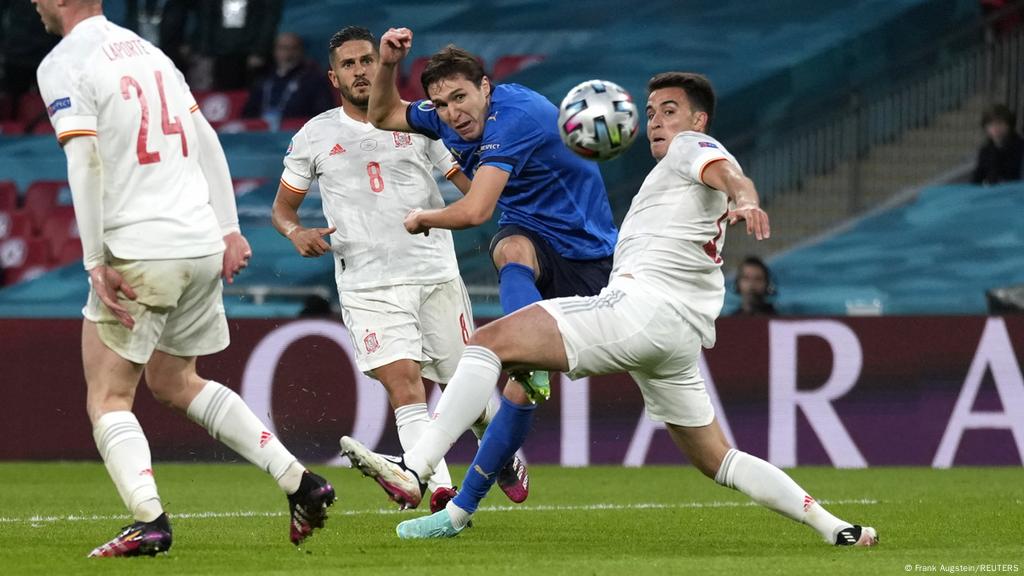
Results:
<point x="391" y="511"/>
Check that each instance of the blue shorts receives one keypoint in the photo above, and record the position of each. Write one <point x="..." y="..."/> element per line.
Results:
<point x="560" y="277"/>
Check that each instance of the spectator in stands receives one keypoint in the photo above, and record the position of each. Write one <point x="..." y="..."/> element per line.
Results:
<point x="296" y="88"/>
<point x="755" y="287"/>
<point x="232" y="42"/>
<point x="23" y="44"/>
<point x="999" y="159"/>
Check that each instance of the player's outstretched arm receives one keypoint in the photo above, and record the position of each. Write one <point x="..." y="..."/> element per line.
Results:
<point x="723" y="175"/>
<point x="475" y="208"/>
<point x="308" y="242"/>
<point x="214" y="165"/>
<point x="387" y="109"/>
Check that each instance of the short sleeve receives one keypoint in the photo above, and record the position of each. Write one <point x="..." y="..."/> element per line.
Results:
<point x="441" y="158"/>
<point x="691" y="153"/>
<point x="298" y="164"/>
<point x="509" y="139"/>
<point x="70" y="100"/>
<point x="422" y="117"/>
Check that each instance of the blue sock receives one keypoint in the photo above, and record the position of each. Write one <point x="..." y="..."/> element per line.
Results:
<point x="516" y="287"/>
<point x="505" y="434"/>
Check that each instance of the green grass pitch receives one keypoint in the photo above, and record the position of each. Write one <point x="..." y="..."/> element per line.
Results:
<point x="658" y="520"/>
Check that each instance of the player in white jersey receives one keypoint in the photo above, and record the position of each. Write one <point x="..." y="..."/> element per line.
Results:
<point x="651" y="321"/>
<point x="156" y="212"/>
<point x="402" y="298"/>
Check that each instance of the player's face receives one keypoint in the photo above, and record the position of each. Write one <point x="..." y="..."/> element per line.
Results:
<point x="354" y="66"/>
<point x="50" y="14"/>
<point x="461" y="104"/>
<point x="668" y="114"/>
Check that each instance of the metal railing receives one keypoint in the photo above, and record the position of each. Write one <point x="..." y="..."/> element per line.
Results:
<point x="992" y="67"/>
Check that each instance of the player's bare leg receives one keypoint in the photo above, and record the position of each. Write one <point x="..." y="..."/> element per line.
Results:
<point x="111" y="382"/>
<point x="708" y="450"/>
<point x="403" y="382"/>
<point x="174" y="381"/>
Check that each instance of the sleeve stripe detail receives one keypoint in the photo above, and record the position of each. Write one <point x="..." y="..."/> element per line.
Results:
<point x="72" y="133"/>
<point x="451" y="172"/>
<point x="291" y="188"/>
<point x="193" y="108"/>
<point x="705" y="167"/>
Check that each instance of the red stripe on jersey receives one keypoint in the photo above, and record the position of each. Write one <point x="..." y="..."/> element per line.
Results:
<point x="194" y="108"/>
<point x="711" y="247"/>
<point x="65" y="136"/>
<point x="705" y="167"/>
<point x="452" y="172"/>
<point x="292" y="188"/>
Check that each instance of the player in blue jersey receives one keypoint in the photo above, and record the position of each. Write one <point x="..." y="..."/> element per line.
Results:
<point x="556" y="235"/>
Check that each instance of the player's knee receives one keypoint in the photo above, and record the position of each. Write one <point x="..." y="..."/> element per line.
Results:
<point x="486" y="336"/>
<point x="515" y="249"/>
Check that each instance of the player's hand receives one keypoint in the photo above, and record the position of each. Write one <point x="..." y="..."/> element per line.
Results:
<point x="757" y="220"/>
<point x="395" y="45"/>
<point x="413" y="225"/>
<point x="236" y="255"/>
<point x="107" y="282"/>
<point x="309" y="241"/>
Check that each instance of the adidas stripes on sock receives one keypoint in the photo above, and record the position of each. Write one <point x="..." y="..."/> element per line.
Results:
<point x="774" y="489"/>
<point x="125" y="452"/>
<point x="228" y="419"/>
<point x="461" y="404"/>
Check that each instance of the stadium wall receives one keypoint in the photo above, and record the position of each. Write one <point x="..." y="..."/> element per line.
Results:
<point x="845" y="392"/>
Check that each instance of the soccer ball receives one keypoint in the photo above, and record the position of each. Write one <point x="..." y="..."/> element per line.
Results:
<point x="598" y="120"/>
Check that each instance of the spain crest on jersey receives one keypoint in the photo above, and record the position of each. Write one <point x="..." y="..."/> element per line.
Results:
<point x="402" y="139"/>
<point x="371" y="342"/>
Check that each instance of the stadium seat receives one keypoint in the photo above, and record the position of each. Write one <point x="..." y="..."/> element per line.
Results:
<point x="14" y="223"/>
<point x="12" y="127"/>
<point x="70" y="252"/>
<point x="510" y="64"/>
<point x="292" y="125"/>
<point x="60" y="226"/>
<point x="8" y="196"/>
<point x="40" y="199"/>
<point x="22" y="253"/>
<point x="222" y="106"/>
<point x="242" y="125"/>
<point x="410" y="87"/>
<point x="243" y="186"/>
<point x="6" y="106"/>
<point x="42" y="128"/>
<point x="31" y="108"/>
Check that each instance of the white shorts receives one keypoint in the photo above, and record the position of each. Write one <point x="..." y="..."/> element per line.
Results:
<point x="629" y="327"/>
<point x="178" y="309"/>
<point x="429" y="324"/>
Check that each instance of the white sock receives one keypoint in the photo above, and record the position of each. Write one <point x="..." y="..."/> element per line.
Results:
<point x="773" y="488"/>
<point x="125" y="451"/>
<point x="412" y="420"/>
<point x="460" y="518"/>
<point x="461" y="404"/>
<point x="227" y="418"/>
<point x="480" y="426"/>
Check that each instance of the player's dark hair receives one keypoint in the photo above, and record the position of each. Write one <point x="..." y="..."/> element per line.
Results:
<point x="347" y="34"/>
<point x="452" y="61"/>
<point x="697" y="87"/>
<point x="999" y="113"/>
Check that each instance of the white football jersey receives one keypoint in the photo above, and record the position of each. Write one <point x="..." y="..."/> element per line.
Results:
<point x="370" y="180"/>
<point x="674" y="232"/>
<point x="106" y="81"/>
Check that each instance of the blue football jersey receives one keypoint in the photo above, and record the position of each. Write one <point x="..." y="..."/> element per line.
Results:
<point x="550" y="190"/>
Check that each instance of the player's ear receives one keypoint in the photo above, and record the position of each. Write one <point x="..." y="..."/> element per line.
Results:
<point x="700" y="121"/>
<point x="333" y="78"/>
<point x="485" y="85"/>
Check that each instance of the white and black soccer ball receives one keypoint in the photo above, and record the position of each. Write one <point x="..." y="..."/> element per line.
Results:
<point x="598" y="120"/>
